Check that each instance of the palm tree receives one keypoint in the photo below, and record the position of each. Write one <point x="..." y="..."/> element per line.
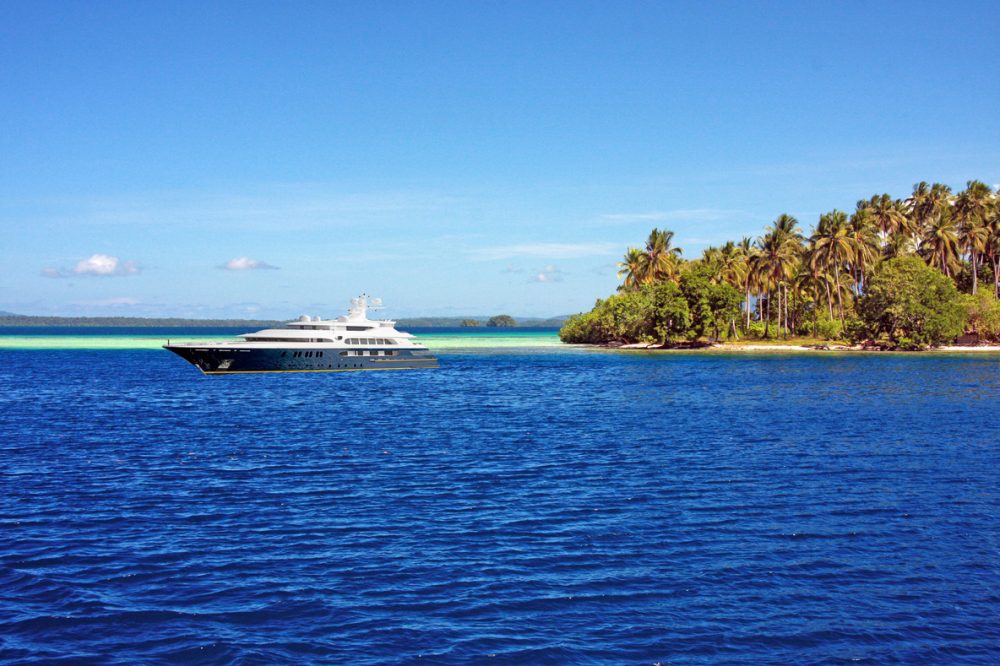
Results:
<point x="731" y="268"/>
<point x="972" y="210"/>
<point x="661" y="258"/>
<point x="747" y="252"/>
<point x="779" y="250"/>
<point x="632" y="268"/>
<point x="726" y="263"/>
<point x="889" y="216"/>
<point x="833" y="248"/>
<point x="815" y="264"/>
<point x="940" y="246"/>
<point x="992" y="252"/>
<point x="808" y="283"/>
<point x="863" y="234"/>
<point x="786" y="227"/>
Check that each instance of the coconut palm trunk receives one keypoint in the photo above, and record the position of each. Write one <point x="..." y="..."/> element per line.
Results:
<point x="787" y="330"/>
<point x="829" y="297"/>
<point x="748" y="304"/>
<point x="778" y="313"/>
<point x="840" y="297"/>
<point x="767" y="324"/>
<point x="975" y="273"/>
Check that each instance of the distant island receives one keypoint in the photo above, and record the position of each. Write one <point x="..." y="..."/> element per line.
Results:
<point x="894" y="274"/>
<point x="15" y="320"/>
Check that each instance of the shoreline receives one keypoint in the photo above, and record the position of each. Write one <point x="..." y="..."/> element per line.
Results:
<point x="833" y="348"/>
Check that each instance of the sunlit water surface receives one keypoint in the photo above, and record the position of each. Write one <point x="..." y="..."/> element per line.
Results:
<point x="527" y="504"/>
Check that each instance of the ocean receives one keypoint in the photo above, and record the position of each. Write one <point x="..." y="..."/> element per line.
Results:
<point x="527" y="502"/>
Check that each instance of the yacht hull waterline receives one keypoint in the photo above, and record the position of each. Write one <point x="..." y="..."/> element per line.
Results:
<point x="345" y="344"/>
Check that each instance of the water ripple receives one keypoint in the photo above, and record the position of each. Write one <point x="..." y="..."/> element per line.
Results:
<point x="524" y="506"/>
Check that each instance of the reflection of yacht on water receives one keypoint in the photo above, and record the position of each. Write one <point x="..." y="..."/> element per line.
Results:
<point x="351" y="342"/>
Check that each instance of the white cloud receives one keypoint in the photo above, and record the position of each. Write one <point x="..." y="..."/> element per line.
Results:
<point x="247" y="264"/>
<point x="548" y="274"/>
<point x="99" y="265"/>
<point x="546" y="250"/>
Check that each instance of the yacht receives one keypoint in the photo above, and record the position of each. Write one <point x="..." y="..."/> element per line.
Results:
<point x="313" y="344"/>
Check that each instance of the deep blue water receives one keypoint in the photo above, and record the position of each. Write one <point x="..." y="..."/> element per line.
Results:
<point x="529" y="506"/>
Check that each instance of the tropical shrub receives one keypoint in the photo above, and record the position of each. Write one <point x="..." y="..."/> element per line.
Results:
<point x="656" y="312"/>
<point x="712" y="307"/>
<point x="580" y="329"/>
<point x="670" y="311"/>
<point x="906" y="298"/>
<point x="822" y="327"/>
<point x="983" y="311"/>
<point x="854" y="331"/>
<point x="754" y="330"/>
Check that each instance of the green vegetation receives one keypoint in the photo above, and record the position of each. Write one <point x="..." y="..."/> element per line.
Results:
<point x="893" y="273"/>
<point x="470" y="323"/>
<point x="911" y="304"/>
<point x="983" y="311"/>
<point x="501" y="321"/>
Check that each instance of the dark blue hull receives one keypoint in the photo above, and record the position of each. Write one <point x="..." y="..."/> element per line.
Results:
<point x="235" y="360"/>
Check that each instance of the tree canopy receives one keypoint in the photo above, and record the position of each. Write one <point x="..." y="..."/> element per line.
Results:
<point x="910" y="302"/>
<point x="501" y="321"/>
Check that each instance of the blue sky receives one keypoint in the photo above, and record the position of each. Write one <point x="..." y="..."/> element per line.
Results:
<point x="265" y="159"/>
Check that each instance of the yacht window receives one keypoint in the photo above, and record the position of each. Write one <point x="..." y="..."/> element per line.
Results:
<point x="344" y="353"/>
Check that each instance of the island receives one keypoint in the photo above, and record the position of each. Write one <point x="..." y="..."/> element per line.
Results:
<point x="895" y="274"/>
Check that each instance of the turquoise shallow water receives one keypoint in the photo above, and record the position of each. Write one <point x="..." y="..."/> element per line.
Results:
<point x="137" y="338"/>
<point x="522" y="504"/>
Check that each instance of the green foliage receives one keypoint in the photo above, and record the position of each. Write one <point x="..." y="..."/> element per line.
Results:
<point x="983" y="310"/>
<point x="501" y="321"/>
<point x="855" y="330"/>
<point x="908" y="299"/>
<point x="580" y="329"/>
<point x="755" y="330"/>
<point x="826" y="328"/>
<point x="711" y="306"/>
<point x="469" y="323"/>
<point x="654" y="312"/>
<point x="670" y="311"/>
